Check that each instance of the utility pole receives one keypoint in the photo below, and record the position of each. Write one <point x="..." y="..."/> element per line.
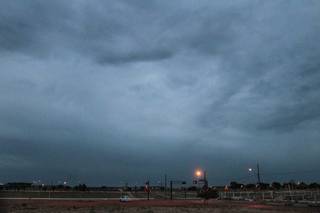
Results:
<point x="165" y="186"/>
<point x="205" y="179"/>
<point x="258" y="173"/>
<point x="175" y="182"/>
<point x="171" y="190"/>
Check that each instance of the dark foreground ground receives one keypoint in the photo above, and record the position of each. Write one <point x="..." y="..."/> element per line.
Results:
<point x="156" y="206"/>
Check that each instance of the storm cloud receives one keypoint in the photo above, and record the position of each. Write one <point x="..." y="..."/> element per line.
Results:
<point x="107" y="92"/>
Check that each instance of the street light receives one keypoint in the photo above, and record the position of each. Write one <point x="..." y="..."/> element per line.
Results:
<point x="255" y="172"/>
<point x="201" y="176"/>
<point x="198" y="173"/>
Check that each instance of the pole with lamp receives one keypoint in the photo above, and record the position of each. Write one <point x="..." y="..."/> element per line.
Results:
<point x="251" y="170"/>
<point x="201" y="177"/>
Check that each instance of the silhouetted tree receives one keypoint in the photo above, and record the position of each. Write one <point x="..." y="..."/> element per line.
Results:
<point x="276" y="185"/>
<point x="314" y="186"/>
<point x="291" y="185"/>
<point x="208" y="194"/>
<point x="250" y="186"/>
<point x="263" y="186"/>
<point x="235" y="185"/>
<point x="302" y="185"/>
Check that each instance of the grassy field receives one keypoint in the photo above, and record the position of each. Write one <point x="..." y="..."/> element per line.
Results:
<point x="95" y="202"/>
<point x="59" y="194"/>
<point x="93" y="194"/>
<point x="152" y="206"/>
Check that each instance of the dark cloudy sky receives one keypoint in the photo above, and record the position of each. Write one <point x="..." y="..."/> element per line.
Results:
<point x="107" y="92"/>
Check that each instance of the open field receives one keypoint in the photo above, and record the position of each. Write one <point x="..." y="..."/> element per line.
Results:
<point x="95" y="194"/>
<point x="97" y="206"/>
<point x="108" y="201"/>
<point x="59" y="194"/>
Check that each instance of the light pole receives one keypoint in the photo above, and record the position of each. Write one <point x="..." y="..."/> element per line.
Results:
<point x="202" y="177"/>
<point x="256" y="173"/>
<point x="165" y="186"/>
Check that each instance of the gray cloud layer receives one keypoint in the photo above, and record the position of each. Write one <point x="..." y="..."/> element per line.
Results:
<point x="107" y="92"/>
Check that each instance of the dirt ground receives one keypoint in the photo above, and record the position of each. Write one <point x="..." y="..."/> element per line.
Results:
<point x="152" y="206"/>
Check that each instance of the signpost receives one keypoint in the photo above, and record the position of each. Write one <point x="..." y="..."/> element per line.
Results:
<point x="147" y="188"/>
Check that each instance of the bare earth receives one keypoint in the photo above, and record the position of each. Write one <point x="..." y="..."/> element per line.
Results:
<point x="215" y="206"/>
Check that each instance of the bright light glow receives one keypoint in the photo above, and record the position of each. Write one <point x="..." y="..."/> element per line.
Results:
<point x="198" y="173"/>
<point x="250" y="169"/>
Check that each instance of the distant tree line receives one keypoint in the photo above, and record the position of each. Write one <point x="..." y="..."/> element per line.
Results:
<point x="274" y="186"/>
<point x="232" y="186"/>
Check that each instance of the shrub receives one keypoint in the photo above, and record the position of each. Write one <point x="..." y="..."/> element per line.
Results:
<point x="208" y="194"/>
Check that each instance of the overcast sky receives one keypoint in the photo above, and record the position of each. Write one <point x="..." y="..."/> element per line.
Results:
<point x="108" y="92"/>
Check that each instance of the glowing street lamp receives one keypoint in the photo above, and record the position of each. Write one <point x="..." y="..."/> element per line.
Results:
<point x="255" y="172"/>
<point x="201" y="177"/>
<point x="198" y="173"/>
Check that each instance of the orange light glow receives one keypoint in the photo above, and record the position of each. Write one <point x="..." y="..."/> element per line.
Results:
<point x="198" y="173"/>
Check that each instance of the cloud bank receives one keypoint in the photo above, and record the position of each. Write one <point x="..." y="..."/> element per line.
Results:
<point x="107" y="92"/>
